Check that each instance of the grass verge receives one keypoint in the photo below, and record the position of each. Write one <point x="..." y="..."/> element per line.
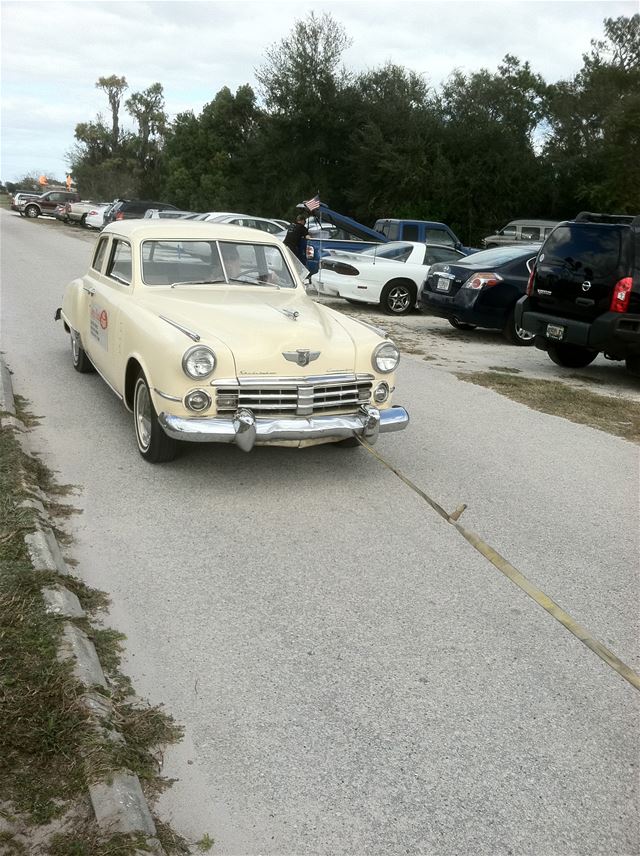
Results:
<point x="49" y="748"/>
<point x="614" y="415"/>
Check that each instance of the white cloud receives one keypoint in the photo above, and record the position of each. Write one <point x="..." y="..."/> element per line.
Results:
<point x="53" y="52"/>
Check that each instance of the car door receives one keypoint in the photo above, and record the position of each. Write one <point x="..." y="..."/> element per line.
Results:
<point x="110" y="288"/>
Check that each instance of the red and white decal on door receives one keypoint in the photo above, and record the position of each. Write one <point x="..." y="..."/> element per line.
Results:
<point x="99" y="325"/>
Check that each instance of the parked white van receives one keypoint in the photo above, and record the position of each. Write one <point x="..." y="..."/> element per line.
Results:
<point x="527" y="231"/>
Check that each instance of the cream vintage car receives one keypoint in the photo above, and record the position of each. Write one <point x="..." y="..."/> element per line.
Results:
<point x="206" y="333"/>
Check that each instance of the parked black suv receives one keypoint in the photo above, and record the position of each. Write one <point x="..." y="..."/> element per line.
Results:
<point x="583" y="296"/>
<point x="133" y="209"/>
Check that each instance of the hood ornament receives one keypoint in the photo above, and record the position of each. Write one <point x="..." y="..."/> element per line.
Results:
<point x="301" y="356"/>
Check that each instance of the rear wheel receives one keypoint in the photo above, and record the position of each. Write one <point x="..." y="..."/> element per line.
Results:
<point x="460" y="325"/>
<point x="571" y="356"/>
<point x="154" y="445"/>
<point x="517" y="335"/>
<point x="83" y="220"/>
<point x="633" y="365"/>
<point x="398" y="298"/>
<point x="79" y="358"/>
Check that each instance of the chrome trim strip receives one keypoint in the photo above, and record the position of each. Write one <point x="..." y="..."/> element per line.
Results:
<point x="190" y="333"/>
<point x="246" y="429"/>
<point x="166" y="395"/>
<point x="269" y="380"/>
<point x="111" y="387"/>
<point x="379" y="330"/>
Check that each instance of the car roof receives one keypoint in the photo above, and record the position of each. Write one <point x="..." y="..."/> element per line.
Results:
<point x="518" y="250"/>
<point x="532" y="223"/>
<point x="180" y="230"/>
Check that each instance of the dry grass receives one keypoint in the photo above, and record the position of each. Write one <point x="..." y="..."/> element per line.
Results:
<point x="614" y="415"/>
<point x="48" y="747"/>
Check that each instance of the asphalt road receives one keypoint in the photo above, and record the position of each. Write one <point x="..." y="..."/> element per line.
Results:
<point x="353" y="677"/>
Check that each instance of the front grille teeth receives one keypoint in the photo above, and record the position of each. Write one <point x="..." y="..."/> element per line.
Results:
<point x="299" y="400"/>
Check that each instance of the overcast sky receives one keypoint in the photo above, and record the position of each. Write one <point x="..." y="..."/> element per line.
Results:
<point x="53" y="52"/>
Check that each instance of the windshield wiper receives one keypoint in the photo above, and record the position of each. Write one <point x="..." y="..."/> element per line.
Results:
<point x="255" y="282"/>
<point x="199" y="282"/>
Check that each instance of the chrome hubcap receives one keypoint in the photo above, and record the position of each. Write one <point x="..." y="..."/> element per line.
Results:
<point x="398" y="299"/>
<point x="523" y="334"/>
<point x="143" y="415"/>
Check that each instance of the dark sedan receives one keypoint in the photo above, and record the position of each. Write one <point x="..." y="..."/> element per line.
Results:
<point x="481" y="290"/>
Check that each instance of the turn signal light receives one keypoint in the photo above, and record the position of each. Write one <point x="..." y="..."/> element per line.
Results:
<point x="119" y="216"/>
<point x="621" y="295"/>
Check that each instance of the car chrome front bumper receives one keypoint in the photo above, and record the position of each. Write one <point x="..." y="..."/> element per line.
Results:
<point x="247" y="430"/>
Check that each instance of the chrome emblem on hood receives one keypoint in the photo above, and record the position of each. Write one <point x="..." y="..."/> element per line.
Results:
<point x="302" y="356"/>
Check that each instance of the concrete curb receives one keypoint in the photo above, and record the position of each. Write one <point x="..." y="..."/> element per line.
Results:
<point x="118" y="801"/>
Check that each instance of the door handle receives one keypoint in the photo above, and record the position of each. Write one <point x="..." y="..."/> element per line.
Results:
<point x="584" y="301"/>
<point x="89" y="290"/>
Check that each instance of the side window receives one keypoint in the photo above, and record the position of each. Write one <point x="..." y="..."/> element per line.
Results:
<point x="508" y="231"/>
<point x="410" y="232"/>
<point x="438" y="236"/>
<point x="437" y="254"/>
<point x="119" y="267"/>
<point x="392" y="231"/>
<point x="98" y="257"/>
<point x="531" y="233"/>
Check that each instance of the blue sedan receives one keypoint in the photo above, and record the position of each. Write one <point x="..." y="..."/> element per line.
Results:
<point x="481" y="290"/>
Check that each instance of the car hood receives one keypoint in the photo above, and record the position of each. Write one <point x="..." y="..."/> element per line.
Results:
<point x="257" y="325"/>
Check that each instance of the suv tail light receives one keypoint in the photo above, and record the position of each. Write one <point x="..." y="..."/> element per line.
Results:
<point x="530" y="282"/>
<point x="621" y="295"/>
<point x="482" y="280"/>
<point x="310" y="252"/>
<point x="119" y="216"/>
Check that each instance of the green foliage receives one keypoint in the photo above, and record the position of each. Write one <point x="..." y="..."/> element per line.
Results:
<point x="486" y="147"/>
<point x="593" y="148"/>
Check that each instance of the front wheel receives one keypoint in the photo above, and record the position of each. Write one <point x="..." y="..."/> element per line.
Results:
<point x="460" y="325"/>
<point x="571" y="356"/>
<point x="79" y="358"/>
<point x="154" y="445"/>
<point x="31" y="211"/>
<point x="398" y="298"/>
<point x="517" y="335"/>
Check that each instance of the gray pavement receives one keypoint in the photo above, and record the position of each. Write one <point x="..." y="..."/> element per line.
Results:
<point x="352" y="676"/>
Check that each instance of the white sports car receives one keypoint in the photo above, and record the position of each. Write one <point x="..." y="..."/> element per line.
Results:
<point x="388" y="274"/>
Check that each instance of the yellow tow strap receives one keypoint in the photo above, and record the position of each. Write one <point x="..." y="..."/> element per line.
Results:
<point x="516" y="577"/>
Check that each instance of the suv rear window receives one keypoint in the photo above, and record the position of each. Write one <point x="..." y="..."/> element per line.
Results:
<point x="590" y="249"/>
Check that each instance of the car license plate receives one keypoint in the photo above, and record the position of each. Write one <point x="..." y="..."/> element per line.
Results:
<point x="555" y="331"/>
<point x="443" y="284"/>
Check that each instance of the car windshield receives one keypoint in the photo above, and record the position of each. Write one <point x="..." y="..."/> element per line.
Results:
<point x="214" y="262"/>
<point x="497" y="256"/>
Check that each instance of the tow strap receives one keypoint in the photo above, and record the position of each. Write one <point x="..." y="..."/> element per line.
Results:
<point x="515" y="576"/>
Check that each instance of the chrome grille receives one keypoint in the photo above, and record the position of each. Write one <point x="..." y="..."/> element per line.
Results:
<point x="299" y="399"/>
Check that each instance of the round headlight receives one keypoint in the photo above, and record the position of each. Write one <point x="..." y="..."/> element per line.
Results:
<point x="385" y="358"/>
<point x="199" y="362"/>
<point x="198" y="400"/>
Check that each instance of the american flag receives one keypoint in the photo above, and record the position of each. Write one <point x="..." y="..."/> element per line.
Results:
<point x="312" y="204"/>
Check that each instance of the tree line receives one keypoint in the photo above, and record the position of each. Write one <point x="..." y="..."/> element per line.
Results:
<point x="483" y="148"/>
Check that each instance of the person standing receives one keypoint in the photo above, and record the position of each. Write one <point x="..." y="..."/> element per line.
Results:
<point x="296" y="238"/>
